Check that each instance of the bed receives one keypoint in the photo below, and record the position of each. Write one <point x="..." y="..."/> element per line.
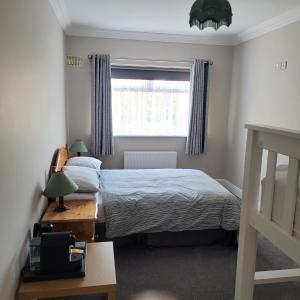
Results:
<point x="162" y="200"/>
<point x="157" y="200"/>
<point x="273" y="211"/>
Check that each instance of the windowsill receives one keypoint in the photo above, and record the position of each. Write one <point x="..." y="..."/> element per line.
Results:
<point x="150" y="136"/>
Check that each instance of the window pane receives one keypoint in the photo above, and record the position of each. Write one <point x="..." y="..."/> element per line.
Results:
<point x="150" y="107"/>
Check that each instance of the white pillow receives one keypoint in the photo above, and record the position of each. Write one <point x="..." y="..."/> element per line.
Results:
<point x="86" y="178"/>
<point x="85" y="161"/>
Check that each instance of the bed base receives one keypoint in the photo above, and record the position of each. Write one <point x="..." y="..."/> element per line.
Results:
<point x="259" y="217"/>
<point x="172" y="239"/>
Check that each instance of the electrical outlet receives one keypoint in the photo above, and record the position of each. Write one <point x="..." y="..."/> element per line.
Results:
<point x="281" y="66"/>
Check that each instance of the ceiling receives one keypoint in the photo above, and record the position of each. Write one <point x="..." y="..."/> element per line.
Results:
<point x="168" y="19"/>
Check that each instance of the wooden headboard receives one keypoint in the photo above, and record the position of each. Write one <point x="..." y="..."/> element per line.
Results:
<point x="61" y="159"/>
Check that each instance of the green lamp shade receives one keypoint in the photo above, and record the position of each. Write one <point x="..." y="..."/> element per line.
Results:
<point x="78" y="146"/>
<point x="60" y="185"/>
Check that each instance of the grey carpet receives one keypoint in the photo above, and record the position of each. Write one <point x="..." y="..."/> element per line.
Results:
<point x="195" y="273"/>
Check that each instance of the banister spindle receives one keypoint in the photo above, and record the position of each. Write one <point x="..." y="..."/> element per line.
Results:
<point x="291" y="196"/>
<point x="267" y="200"/>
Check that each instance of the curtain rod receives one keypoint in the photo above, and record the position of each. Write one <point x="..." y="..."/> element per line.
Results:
<point x="155" y="60"/>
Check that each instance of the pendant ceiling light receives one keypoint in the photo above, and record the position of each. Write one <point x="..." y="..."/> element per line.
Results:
<point x="211" y="13"/>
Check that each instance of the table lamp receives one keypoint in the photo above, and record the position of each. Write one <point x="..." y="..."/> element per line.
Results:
<point x="78" y="146"/>
<point x="60" y="185"/>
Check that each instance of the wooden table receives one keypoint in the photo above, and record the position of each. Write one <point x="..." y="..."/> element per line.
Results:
<point x="80" y="218"/>
<point x="100" y="278"/>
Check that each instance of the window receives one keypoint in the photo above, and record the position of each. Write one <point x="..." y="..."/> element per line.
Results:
<point x="150" y="102"/>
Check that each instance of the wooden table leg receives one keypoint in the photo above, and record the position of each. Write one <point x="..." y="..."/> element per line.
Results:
<point x="111" y="295"/>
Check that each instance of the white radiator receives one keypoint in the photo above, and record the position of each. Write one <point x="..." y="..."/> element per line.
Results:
<point x="150" y="159"/>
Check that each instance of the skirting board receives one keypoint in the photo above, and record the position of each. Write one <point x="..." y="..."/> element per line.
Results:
<point x="231" y="187"/>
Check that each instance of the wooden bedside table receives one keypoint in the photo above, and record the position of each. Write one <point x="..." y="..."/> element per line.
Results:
<point x="80" y="218"/>
<point x="100" y="278"/>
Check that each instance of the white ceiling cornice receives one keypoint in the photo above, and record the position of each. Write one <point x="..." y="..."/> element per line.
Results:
<point x="61" y="13"/>
<point x="277" y="22"/>
<point x="280" y="21"/>
<point x="152" y="37"/>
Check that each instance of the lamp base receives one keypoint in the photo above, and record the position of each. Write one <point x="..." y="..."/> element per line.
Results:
<point x="61" y="205"/>
<point x="61" y="208"/>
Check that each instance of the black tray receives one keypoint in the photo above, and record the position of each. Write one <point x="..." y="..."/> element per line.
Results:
<point x="30" y="276"/>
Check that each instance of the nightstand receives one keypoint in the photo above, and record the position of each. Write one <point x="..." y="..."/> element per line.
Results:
<point x="80" y="218"/>
<point x="100" y="278"/>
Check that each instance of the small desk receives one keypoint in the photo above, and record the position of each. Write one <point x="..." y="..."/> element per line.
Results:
<point x="80" y="218"/>
<point x="100" y="278"/>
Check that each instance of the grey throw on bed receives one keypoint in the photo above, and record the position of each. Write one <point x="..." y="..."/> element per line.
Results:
<point x="102" y="135"/>
<point x="157" y="200"/>
<point x="197" y="136"/>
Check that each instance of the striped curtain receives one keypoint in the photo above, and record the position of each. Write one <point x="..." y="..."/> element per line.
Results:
<point x="102" y="135"/>
<point x="197" y="135"/>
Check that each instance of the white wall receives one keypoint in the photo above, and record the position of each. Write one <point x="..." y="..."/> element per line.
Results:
<point x="261" y="93"/>
<point x="32" y="123"/>
<point x="79" y="98"/>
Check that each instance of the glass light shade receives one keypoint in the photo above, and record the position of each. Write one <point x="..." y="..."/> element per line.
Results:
<point x="78" y="146"/>
<point x="211" y="13"/>
<point x="60" y="185"/>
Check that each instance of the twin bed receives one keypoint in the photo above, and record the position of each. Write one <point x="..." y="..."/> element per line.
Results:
<point x="160" y="200"/>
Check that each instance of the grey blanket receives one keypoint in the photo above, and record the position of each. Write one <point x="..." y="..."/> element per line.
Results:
<point x="159" y="200"/>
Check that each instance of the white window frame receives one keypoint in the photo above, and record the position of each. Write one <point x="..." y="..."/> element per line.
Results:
<point x="170" y="74"/>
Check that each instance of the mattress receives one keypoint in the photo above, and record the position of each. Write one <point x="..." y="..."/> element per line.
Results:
<point x="86" y="196"/>
<point x="158" y="200"/>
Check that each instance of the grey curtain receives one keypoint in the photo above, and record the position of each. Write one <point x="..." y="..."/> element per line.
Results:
<point x="197" y="135"/>
<point x="102" y="135"/>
